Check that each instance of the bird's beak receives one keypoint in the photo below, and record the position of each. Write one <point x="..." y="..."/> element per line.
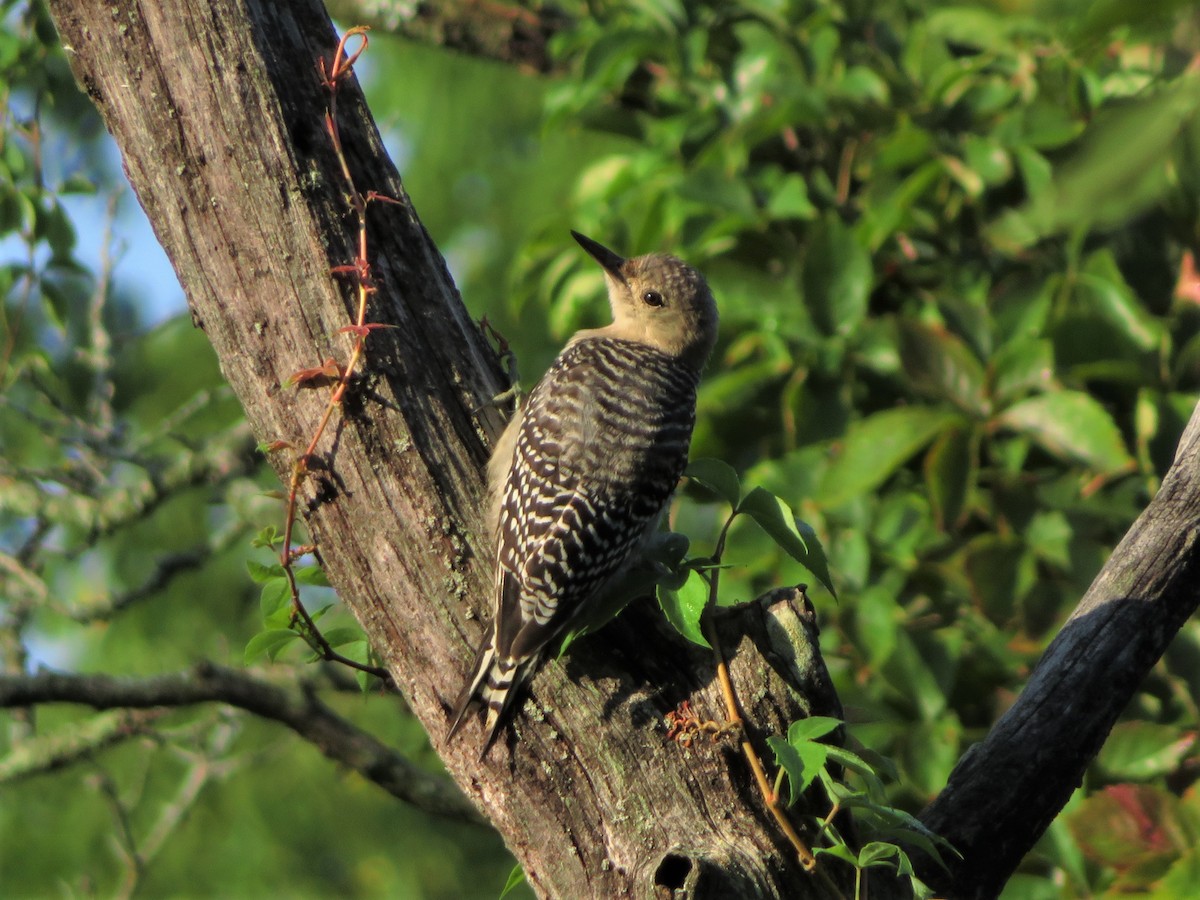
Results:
<point x="611" y="262"/>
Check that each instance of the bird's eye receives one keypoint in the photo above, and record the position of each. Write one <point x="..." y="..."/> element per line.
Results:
<point x="652" y="298"/>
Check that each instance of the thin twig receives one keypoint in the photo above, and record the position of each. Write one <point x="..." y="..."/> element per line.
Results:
<point x="299" y="709"/>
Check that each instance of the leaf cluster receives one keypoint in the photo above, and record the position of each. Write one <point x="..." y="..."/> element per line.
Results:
<point x="954" y="251"/>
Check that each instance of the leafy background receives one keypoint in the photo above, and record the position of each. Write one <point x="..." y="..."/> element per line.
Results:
<point x="954" y="249"/>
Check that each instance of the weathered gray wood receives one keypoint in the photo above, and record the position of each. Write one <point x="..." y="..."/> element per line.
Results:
<point x="1007" y="789"/>
<point x="217" y="109"/>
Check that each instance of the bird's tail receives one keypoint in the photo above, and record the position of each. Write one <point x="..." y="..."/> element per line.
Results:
<point x="493" y="683"/>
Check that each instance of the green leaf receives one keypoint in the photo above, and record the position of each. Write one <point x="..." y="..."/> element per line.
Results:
<point x="1120" y="166"/>
<point x="876" y="446"/>
<point x="802" y="756"/>
<point x="364" y="654"/>
<point x="877" y="621"/>
<point x="949" y="475"/>
<point x="856" y="763"/>
<point x="269" y="537"/>
<point x="718" y="476"/>
<point x="1072" y="426"/>
<point x="969" y="26"/>
<point x="1138" y="751"/>
<point x="55" y="227"/>
<point x="275" y="602"/>
<point x="1050" y="535"/>
<point x="796" y="538"/>
<point x="346" y="634"/>
<point x="1104" y="291"/>
<point x="313" y="575"/>
<point x="886" y="214"/>
<point x="1181" y="878"/>
<point x="78" y="183"/>
<point x="789" y="199"/>
<point x="1021" y="366"/>
<point x="941" y="365"/>
<point x="262" y="574"/>
<point x="268" y="644"/>
<point x="788" y="759"/>
<point x="838" y="851"/>
<point x="878" y="853"/>
<point x="887" y="822"/>
<point x="813" y="728"/>
<point x="684" y="606"/>
<point x="994" y="567"/>
<point x="777" y="519"/>
<point x="837" y="277"/>
<point x="515" y="877"/>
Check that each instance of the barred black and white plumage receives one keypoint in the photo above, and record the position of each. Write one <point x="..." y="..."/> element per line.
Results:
<point x="587" y="465"/>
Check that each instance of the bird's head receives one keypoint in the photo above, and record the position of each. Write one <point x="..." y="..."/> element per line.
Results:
<point x="658" y="300"/>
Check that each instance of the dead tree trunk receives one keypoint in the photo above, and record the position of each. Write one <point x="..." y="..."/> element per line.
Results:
<point x="217" y="108"/>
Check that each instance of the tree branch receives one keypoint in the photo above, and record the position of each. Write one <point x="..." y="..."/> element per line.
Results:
<point x="217" y="109"/>
<point x="1006" y="790"/>
<point x="68" y="745"/>
<point x="300" y="710"/>
<point x="504" y="32"/>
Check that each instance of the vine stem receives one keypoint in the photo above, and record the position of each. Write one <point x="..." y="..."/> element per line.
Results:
<point x="338" y="71"/>
<point x="733" y="714"/>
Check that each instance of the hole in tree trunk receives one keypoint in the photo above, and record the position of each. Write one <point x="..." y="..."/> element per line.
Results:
<point x="672" y="872"/>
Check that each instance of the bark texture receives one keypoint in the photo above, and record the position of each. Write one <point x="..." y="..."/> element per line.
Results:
<point x="217" y="108"/>
<point x="1006" y="790"/>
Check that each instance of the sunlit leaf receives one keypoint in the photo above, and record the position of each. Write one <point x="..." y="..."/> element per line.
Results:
<point x="1103" y="290"/>
<point x="1141" y="750"/>
<point x="812" y="728"/>
<point x="802" y="759"/>
<point x="684" y="606"/>
<point x="1119" y="167"/>
<point x="515" y="878"/>
<point x="1072" y="426"/>
<point x="789" y="199"/>
<point x="313" y="575"/>
<point x="796" y="538"/>
<point x="837" y="277"/>
<point x="876" y="446"/>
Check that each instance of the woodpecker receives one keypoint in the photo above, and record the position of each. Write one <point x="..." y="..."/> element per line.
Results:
<point x="585" y="467"/>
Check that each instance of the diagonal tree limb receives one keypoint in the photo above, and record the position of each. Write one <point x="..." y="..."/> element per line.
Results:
<point x="300" y="710"/>
<point x="513" y="33"/>
<point x="1007" y="789"/>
